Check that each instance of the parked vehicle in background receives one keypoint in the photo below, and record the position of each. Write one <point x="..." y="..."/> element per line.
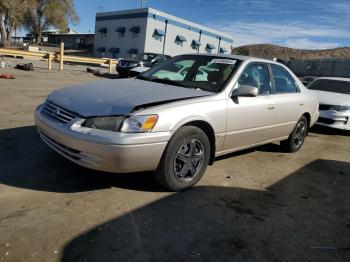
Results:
<point x="323" y="67"/>
<point x="136" y="71"/>
<point x="146" y="60"/>
<point x="334" y="96"/>
<point x="306" y="80"/>
<point x="176" y="126"/>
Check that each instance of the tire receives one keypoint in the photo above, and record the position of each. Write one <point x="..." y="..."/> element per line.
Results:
<point x="184" y="160"/>
<point x="296" y="139"/>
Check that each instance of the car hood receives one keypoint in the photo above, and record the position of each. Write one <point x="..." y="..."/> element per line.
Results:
<point x="118" y="97"/>
<point x="331" y="98"/>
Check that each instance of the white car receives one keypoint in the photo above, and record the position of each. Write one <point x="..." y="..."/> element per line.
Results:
<point x="334" y="96"/>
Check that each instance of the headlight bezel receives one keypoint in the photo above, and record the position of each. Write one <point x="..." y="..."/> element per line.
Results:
<point x="139" y="124"/>
<point x="111" y="123"/>
<point x="123" y="124"/>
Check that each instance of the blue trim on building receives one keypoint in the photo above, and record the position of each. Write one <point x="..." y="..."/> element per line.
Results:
<point x="162" y="19"/>
<point x="122" y="16"/>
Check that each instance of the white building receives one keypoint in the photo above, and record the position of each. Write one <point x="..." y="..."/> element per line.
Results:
<point x="129" y="32"/>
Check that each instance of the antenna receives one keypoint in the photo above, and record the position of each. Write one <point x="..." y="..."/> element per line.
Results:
<point x="143" y="3"/>
<point x="100" y="9"/>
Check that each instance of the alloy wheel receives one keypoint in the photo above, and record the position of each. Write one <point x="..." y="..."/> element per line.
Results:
<point x="189" y="160"/>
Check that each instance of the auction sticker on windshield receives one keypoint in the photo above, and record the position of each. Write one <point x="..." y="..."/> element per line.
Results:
<point x="223" y="61"/>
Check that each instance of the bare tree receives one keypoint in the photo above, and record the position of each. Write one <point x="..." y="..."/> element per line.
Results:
<point x="11" y="16"/>
<point x="43" y="14"/>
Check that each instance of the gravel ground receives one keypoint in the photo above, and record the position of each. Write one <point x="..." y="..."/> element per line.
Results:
<point x="256" y="205"/>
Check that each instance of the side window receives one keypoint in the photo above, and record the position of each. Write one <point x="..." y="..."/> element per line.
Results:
<point x="284" y="82"/>
<point x="256" y="74"/>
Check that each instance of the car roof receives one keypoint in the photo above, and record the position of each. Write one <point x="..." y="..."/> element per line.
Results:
<point x="239" y="57"/>
<point x="335" y="78"/>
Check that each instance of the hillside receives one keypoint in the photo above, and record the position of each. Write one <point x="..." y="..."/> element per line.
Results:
<point x="270" y="51"/>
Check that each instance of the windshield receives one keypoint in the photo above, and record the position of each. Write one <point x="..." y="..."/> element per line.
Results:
<point x="147" y="57"/>
<point x="335" y="86"/>
<point x="208" y="73"/>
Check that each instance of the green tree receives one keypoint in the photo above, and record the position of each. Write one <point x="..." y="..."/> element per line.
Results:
<point x="44" y="14"/>
<point x="11" y="16"/>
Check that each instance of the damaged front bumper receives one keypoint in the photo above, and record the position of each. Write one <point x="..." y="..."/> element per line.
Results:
<point x="103" y="150"/>
<point x="334" y="119"/>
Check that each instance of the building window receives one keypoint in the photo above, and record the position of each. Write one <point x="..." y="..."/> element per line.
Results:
<point x="158" y="34"/>
<point x="101" y="51"/>
<point x="179" y="40"/>
<point x="195" y="44"/>
<point x="222" y="50"/>
<point x="133" y="52"/>
<point x="121" y="31"/>
<point x="135" y="30"/>
<point x="114" y="51"/>
<point x="209" y="48"/>
<point x="103" y="31"/>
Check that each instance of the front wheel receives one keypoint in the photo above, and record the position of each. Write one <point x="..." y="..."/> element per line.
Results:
<point x="297" y="137"/>
<point x="185" y="159"/>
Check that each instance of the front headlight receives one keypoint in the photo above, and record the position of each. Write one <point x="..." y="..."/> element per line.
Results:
<point x="340" y="108"/>
<point x="139" y="124"/>
<point x="132" y="124"/>
<point x="111" y="123"/>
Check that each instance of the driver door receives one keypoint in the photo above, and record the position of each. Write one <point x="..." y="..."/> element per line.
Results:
<point x="252" y="120"/>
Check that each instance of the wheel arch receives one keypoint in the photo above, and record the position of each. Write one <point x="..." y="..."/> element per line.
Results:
<point x="209" y="131"/>
<point x="307" y="115"/>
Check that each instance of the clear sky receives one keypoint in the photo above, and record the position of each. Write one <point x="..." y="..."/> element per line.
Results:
<point x="309" y="24"/>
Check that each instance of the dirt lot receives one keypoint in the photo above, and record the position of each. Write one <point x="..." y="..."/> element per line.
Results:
<point x="257" y="205"/>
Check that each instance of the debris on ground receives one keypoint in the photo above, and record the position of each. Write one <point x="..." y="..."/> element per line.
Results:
<point x="7" y="76"/>
<point x="25" y="67"/>
<point x="92" y="70"/>
<point x="5" y="64"/>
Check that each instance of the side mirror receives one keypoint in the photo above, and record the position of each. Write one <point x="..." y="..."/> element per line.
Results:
<point x="245" y="90"/>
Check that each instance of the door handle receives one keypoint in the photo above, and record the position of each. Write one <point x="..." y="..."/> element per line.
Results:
<point x="271" y="107"/>
<point x="301" y="104"/>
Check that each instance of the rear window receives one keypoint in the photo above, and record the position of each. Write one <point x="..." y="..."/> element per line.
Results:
<point x="335" y="86"/>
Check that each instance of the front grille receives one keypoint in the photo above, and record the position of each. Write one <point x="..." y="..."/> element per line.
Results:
<point x="58" y="113"/>
<point x="325" y="120"/>
<point x="324" y="107"/>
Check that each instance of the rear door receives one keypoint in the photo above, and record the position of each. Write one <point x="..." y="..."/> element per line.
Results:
<point x="251" y="120"/>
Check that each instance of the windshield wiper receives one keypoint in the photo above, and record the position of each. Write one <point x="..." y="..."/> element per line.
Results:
<point x="167" y="81"/>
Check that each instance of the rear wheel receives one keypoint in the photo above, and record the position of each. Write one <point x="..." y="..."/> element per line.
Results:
<point x="185" y="159"/>
<point x="297" y="137"/>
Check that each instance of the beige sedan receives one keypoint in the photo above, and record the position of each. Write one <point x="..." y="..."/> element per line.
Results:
<point x="177" y="126"/>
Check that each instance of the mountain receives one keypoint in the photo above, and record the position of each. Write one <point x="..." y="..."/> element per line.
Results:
<point x="270" y="51"/>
